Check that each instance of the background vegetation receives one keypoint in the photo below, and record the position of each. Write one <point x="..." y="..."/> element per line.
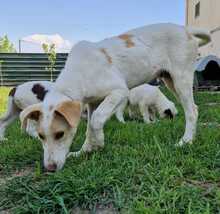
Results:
<point x="6" y="46"/>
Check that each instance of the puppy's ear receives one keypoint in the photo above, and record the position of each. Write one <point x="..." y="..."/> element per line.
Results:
<point x="32" y="112"/>
<point x="168" y="113"/>
<point x="70" y="111"/>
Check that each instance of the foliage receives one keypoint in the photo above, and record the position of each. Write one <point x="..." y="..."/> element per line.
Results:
<point x="1" y="73"/>
<point x="50" y="50"/>
<point x="4" y="91"/>
<point x="6" y="46"/>
<point x="139" y="171"/>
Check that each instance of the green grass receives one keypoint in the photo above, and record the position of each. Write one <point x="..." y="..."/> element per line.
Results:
<point x="3" y="98"/>
<point x="139" y="171"/>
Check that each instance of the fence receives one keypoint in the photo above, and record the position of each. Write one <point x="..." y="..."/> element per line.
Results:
<point x="17" y="68"/>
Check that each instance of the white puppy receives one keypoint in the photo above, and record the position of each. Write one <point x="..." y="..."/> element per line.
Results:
<point x="100" y="74"/>
<point x="20" y="98"/>
<point x="150" y="100"/>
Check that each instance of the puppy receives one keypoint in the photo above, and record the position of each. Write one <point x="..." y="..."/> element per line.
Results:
<point x="20" y="98"/>
<point x="150" y="100"/>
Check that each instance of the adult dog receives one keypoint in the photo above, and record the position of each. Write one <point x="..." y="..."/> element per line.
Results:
<point x="101" y="74"/>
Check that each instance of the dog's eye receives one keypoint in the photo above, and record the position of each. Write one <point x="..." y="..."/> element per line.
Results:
<point x="41" y="136"/>
<point x="59" y="135"/>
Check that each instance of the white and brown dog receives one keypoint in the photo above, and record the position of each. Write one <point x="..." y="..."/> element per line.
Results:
<point x="101" y="74"/>
<point x="150" y="100"/>
<point x="21" y="97"/>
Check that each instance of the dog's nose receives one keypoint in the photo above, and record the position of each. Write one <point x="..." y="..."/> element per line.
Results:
<point x="52" y="167"/>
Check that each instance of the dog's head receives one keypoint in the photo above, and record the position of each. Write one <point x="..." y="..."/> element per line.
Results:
<point x="169" y="111"/>
<point x="56" y="127"/>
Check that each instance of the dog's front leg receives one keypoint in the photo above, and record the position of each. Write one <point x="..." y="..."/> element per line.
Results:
<point x="120" y="112"/>
<point x="144" y="112"/>
<point x="95" y="135"/>
<point x="152" y="114"/>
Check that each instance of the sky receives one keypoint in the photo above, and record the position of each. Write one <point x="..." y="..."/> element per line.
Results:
<point x="76" y="20"/>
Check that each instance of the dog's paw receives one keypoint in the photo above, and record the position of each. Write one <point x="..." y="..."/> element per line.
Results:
<point x="3" y="139"/>
<point x="183" y="142"/>
<point x="75" y="154"/>
<point x="122" y="121"/>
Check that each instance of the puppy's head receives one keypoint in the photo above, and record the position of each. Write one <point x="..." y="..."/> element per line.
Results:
<point x="56" y="127"/>
<point x="170" y="111"/>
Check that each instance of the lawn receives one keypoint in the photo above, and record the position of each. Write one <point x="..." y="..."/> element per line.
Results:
<point x="139" y="170"/>
<point x="3" y="98"/>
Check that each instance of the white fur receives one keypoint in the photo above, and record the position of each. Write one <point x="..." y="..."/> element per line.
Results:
<point x="150" y="100"/>
<point x="90" y="78"/>
<point x="22" y="98"/>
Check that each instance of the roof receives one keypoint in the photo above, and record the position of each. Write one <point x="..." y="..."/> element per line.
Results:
<point x="202" y="63"/>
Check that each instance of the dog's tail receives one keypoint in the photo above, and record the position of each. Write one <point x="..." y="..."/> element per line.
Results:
<point x="203" y="36"/>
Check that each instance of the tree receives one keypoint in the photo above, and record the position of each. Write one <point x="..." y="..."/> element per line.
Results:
<point x="6" y="46"/>
<point x="50" y="50"/>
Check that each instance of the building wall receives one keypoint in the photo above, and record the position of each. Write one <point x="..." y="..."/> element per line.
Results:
<point x="209" y="18"/>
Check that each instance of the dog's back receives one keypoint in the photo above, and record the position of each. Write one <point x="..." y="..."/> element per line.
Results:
<point x="143" y="92"/>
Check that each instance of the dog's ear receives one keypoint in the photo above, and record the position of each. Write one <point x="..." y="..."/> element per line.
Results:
<point x="168" y="113"/>
<point x="31" y="112"/>
<point x="70" y="111"/>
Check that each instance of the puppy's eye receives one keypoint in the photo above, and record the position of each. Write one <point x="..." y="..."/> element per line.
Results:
<point x="41" y="136"/>
<point x="59" y="135"/>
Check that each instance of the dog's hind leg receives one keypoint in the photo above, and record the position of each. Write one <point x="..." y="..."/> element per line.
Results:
<point x="184" y="89"/>
<point x="11" y="114"/>
<point x="95" y="135"/>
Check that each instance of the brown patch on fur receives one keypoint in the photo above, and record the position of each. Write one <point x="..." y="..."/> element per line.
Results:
<point x="109" y="59"/>
<point x="35" y="115"/>
<point x="128" y="41"/>
<point x="12" y="92"/>
<point x="71" y="111"/>
<point x="40" y="91"/>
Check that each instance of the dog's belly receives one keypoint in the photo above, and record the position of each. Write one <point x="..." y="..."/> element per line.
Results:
<point x="135" y="70"/>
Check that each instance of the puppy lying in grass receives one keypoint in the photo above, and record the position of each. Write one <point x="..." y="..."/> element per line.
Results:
<point x="150" y="101"/>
